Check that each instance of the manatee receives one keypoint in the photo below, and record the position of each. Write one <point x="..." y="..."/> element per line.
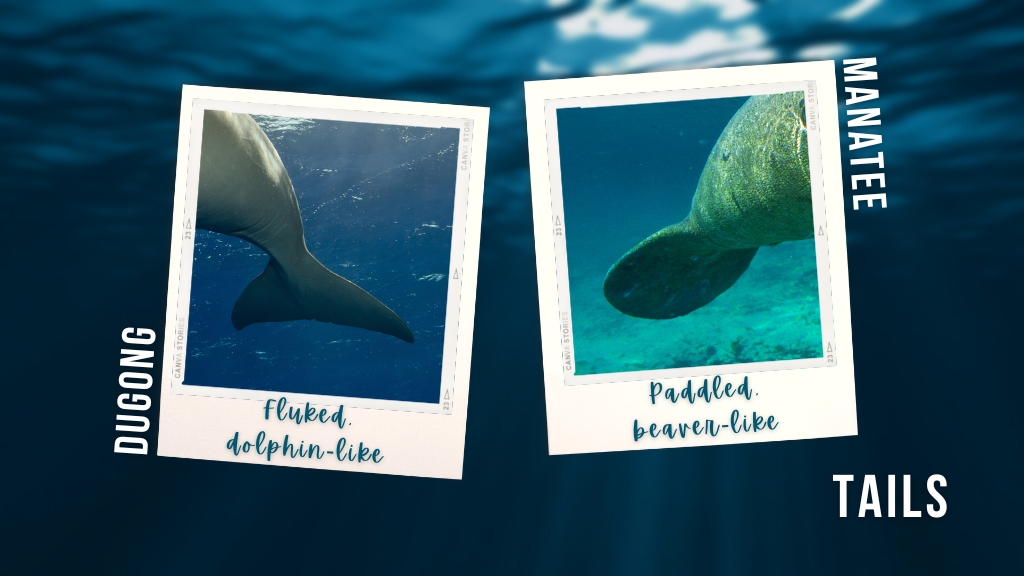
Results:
<point x="245" y="191"/>
<point x="755" y="191"/>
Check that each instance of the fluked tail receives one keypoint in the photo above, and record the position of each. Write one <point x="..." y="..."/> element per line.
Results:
<point x="245" y="191"/>
<point x="306" y="290"/>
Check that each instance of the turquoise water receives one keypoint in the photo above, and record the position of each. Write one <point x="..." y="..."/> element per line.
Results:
<point x="627" y="172"/>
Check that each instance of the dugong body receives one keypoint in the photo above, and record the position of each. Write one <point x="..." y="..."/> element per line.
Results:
<point x="245" y="191"/>
<point x="754" y="191"/>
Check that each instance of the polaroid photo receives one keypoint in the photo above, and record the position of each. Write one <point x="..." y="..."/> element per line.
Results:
<point x="322" y="282"/>
<point x="691" y="258"/>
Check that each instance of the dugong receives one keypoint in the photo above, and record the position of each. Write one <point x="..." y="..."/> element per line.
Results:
<point x="245" y="191"/>
<point x="755" y="191"/>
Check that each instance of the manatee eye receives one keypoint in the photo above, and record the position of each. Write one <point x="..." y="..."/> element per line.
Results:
<point x="725" y="156"/>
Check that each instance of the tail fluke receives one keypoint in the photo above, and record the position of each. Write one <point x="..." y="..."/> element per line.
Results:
<point x="306" y="290"/>
<point x="673" y="273"/>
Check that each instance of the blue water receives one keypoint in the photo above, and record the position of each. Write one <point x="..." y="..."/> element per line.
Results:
<point x="629" y="171"/>
<point x="90" y="95"/>
<point x="377" y="203"/>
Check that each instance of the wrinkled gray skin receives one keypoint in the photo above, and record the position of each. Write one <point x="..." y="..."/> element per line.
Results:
<point x="245" y="191"/>
<point x="754" y="191"/>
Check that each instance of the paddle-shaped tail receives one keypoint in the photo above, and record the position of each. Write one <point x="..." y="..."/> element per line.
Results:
<point x="754" y="191"/>
<point x="673" y="273"/>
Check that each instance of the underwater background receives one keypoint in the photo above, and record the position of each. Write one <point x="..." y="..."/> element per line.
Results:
<point x="90" y="98"/>
<point x="629" y="171"/>
<point x="377" y="203"/>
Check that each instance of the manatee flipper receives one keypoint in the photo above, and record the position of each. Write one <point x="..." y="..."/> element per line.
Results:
<point x="672" y="273"/>
<point x="315" y="293"/>
<point x="245" y="191"/>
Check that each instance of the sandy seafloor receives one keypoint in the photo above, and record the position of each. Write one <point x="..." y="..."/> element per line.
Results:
<point x="627" y="172"/>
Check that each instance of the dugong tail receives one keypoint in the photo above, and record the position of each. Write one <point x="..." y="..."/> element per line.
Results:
<point x="245" y="191"/>
<point x="673" y="273"/>
<point x="306" y="290"/>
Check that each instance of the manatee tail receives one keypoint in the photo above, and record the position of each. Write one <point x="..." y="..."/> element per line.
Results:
<point x="673" y="273"/>
<point x="306" y="290"/>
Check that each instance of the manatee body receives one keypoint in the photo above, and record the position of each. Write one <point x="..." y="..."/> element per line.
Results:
<point x="754" y="191"/>
<point x="245" y="191"/>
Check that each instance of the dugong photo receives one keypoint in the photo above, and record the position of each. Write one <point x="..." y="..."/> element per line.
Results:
<point x="321" y="257"/>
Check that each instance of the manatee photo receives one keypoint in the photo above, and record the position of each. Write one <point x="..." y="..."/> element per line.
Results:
<point x="321" y="257"/>
<point x="689" y="233"/>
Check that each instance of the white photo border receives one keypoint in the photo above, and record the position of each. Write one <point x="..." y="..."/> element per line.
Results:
<point x="817" y="396"/>
<point x="405" y="426"/>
